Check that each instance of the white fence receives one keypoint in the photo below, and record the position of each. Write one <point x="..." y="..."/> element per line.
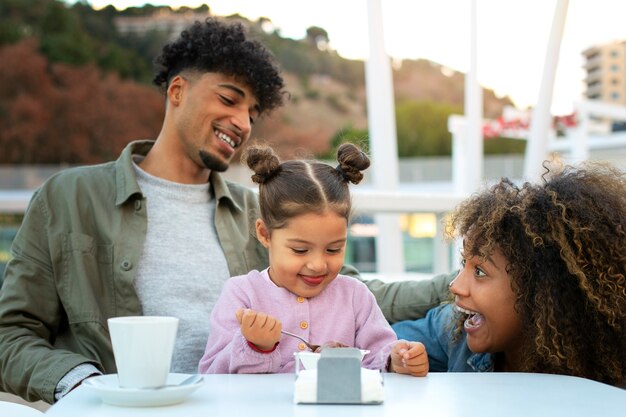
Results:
<point x="427" y="185"/>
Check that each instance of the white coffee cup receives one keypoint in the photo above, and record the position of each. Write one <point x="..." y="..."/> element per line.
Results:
<point x="143" y="347"/>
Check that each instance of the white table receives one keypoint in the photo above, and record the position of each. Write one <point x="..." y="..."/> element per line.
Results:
<point x="438" y="394"/>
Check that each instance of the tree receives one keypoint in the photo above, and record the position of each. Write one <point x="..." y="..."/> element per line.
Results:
<point x="61" y="36"/>
<point x="347" y="134"/>
<point x="317" y="37"/>
<point x="422" y="128"/>
<point x="57" y="113"/>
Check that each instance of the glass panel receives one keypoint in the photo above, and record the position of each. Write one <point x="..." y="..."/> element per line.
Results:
<point x="418" y="236"/>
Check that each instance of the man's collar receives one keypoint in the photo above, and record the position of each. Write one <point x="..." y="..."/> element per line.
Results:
<point x="125" y="177"/>
<point x="127" y="181"/>
<point x="221" y="190"/>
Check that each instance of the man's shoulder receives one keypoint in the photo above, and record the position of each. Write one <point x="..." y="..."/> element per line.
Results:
<point x="88" y="177"/>
<point x="96" y="176"/>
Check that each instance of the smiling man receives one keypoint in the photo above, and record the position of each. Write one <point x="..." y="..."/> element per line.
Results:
<point x="156" y="232"/>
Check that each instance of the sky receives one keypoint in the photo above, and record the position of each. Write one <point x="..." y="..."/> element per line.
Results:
<point x="512" y="35"/>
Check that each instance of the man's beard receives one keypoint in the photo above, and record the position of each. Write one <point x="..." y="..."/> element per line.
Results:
<point x="212" y="163"/>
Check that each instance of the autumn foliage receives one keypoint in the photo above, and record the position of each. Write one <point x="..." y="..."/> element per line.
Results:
<point x="57" y="113"/>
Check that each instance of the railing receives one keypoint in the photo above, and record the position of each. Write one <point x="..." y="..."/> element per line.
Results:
<point x="441" y="196"/>
<point x="579" y="141"/>
<point x="407" y="201"/>
<point x="366" y="201"/>
<point x="14" y="201"/>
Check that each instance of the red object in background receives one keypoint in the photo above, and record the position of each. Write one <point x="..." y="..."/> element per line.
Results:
<point x="519" y="127"/>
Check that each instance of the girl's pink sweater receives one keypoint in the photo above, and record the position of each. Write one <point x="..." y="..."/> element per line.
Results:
<point x="345" y="312"/>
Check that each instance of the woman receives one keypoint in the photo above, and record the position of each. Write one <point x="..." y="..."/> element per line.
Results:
<point x="542" y="286"/>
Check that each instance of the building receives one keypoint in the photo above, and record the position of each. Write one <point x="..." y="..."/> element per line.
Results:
<point x="606" y="72"/>
<point x="162" y="21"/>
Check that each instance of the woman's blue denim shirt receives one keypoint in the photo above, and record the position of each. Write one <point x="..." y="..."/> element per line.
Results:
<point x="445" y="353"/>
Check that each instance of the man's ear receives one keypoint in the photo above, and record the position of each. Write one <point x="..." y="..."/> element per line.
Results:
<point x="262" y="233"/>
<point x="175" y="90"/>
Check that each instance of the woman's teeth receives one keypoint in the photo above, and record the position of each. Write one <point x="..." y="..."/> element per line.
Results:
<point x="474" y="319"/>
<point x="464" y="310"/>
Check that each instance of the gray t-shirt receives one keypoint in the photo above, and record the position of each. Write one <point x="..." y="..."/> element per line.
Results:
<point x="182" y="269"/>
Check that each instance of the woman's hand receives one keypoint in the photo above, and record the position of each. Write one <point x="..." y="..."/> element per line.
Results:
<point x="409" y="358"/>
<point x="260" y="329"/>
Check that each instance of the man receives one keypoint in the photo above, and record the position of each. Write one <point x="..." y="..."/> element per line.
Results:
<point x="156" y="232"/>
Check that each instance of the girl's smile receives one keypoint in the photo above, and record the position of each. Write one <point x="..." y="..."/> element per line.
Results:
<point x="313" y="281"/>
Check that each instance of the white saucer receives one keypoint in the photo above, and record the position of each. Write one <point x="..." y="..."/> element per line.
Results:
<point x="108" y="389"/>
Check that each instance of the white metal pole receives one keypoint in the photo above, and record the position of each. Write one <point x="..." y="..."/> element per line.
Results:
<point x="537" y="146"/>
<point x="473" y="113"/>
<point x="457" y="126"/>
<point x="383" y="141"/>
<point x="580" y="147"/>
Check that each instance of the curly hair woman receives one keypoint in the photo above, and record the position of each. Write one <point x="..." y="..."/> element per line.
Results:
<point x="542" y="287"/>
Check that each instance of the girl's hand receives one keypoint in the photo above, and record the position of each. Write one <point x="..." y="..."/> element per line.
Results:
<point x="258" y="328"/>
<point x="409" y="358"/>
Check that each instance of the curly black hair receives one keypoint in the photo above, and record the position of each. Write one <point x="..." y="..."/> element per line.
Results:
<point x="565" y="245"/>
<point x="215" y="46"/>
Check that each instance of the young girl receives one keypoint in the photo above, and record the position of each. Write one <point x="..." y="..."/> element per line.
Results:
<point x="305" y="210"/>
<point x="542" y="286"/>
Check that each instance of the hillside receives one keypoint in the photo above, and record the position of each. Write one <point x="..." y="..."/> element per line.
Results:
<point x="327" y="92"/>
<point x="427" y="80"/>
<point x="309" y="123"/>
<point x="312" y="116"/>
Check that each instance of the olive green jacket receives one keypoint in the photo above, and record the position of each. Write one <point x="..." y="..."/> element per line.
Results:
<point x="73" y="264"/>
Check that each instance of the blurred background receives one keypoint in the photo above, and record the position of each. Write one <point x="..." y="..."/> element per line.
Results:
<point x="75" y="88"/>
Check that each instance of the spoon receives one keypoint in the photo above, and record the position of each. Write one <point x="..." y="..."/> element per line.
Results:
<point x="306" y="342"/>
